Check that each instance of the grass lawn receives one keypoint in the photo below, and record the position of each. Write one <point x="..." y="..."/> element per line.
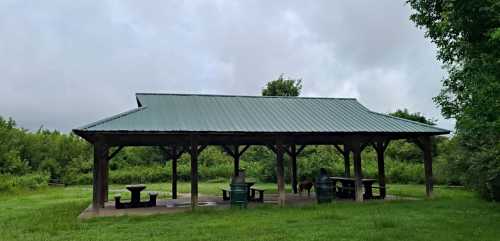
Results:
<point x="454" y="214"/>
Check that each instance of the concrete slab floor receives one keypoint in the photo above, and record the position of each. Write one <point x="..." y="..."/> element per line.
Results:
<point x="183" y="204"/>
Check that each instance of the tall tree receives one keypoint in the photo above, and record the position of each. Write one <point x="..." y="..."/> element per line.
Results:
<point x="418" y="117"/>
<point x="467" y="34"/>
<point x="283" y="87"/>
<point x="406" y="151"/>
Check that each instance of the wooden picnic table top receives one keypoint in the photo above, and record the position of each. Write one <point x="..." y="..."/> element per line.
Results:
<point x="135" y="187"/>
<point x="353" y="179"/>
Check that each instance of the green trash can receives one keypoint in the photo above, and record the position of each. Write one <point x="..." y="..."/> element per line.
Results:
<point x="239" y="195"/>
<point x="239" y="190"/>
<point x="324" y="187"/>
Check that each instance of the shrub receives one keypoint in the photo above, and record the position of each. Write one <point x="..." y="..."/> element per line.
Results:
<point x="32" y="181"/>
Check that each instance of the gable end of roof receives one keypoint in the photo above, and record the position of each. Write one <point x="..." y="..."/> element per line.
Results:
<point x="123" y="114"/>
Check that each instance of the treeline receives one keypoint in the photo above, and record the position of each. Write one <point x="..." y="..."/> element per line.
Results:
<point x="467" y="37"/>
<point x="33" y="158"/>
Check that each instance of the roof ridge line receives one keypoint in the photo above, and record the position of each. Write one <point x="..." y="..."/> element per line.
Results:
<point x="411" y="121"/>
<point x="111" y="118"/>
<point x="246" y="96"/>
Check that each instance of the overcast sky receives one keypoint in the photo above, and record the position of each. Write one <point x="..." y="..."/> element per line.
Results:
<point x="64" y="64"/>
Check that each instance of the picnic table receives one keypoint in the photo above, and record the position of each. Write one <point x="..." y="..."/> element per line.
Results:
<point x="346" y="190"/>
<point x="250" y="193"/>
<point x="135" y="200"/>
<point x="135" y="193"/>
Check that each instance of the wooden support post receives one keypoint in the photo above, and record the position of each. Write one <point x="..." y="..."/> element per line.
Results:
<point x="280" y="171"/>
<point x="346" y="154"/>
<point x="236" y="157"/>
<point x="380" y="149"/>
<point x="105" y="179"/>
<point x="174" y="172"/>
<point x="194" y="174"/>
<point x="294" y="167"/>
<point x="358" y="175"/>
<point x="427" y="149"/>
<point x="347" y="164"/>
<point x="99" y="173"/>
<point x="106" y="175"/>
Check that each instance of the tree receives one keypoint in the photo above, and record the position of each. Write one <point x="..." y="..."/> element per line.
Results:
<point x="407" y="151"/>
<point x="280" y="87"/>
<point x="283" y="87"/>
<point x="417" y="116"/>
<point x="467" y="34"/>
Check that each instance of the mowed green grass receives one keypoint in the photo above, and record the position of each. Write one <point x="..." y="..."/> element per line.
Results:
<point x="454" y="214"/>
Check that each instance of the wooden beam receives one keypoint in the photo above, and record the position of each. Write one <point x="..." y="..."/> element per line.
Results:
<point x="105" y="166"/>
<point x="280" y="173"/>
<point x="358" y="174"/>
<point x="418" y="142"/>
<point x="425" y="144"/>
<point x="106" y="171"/>
<point x="173" y="153"/>
<point x="245" y="148"/>
<point x="201" y="148"/>
<point x="174" y="171"/>
<point x="365" y="144"/>
<point x="229" y="151"/>
<point x="99" y="173"/>
<point x="293" y="150"/>
<point x="386" y="143"/>
<point x="339" y="149"/>
<point x="427" y="149"/>
<point x="120" y="138"/>
<point x="346" y="154"/>
<point x="117" y="150"/>
<point x="194" y="174"/>
<point x="272" y="148"/>
<point x="380" y="147"/>
<point x="182" y="150"/>
<point x="236" y="157"/>
<point x="347" y="161"/>
<point x="301" y="148"/>
<point x="287" y="150"/>
<point x="167" y="153"/>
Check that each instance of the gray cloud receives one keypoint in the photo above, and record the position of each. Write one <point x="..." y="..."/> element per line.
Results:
<point x="66" y="63"/>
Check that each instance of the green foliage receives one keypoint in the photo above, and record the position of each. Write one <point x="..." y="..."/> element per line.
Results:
<point x="418" y="117"/>
<point x="11" y="148"/>
<point x="11" y="183"/>
<point x="407" y="151"/>
<point x="52" y="152"/>
<point x="283" y="87"/>
<point x="68" y="158"/>
<point x="467" y="36"/>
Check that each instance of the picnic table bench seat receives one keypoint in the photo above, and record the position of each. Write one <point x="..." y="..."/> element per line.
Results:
<point x="225" y="193"/>
<point x="261" y="194"/>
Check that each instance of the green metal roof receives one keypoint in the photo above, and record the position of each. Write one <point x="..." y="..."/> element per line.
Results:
<point x="220" y="113"/>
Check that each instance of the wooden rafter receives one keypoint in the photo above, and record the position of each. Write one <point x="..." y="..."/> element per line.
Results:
<point x="272" y="148"/>
<point x="245" y="148"/>
<point x="418" y="142"/>
<point x="383" y="145"/>
<point x="339" y="149"/>
<point x="117" y="150"/>
<point x="229" y="151"/>
<point x="301" y="148"/>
